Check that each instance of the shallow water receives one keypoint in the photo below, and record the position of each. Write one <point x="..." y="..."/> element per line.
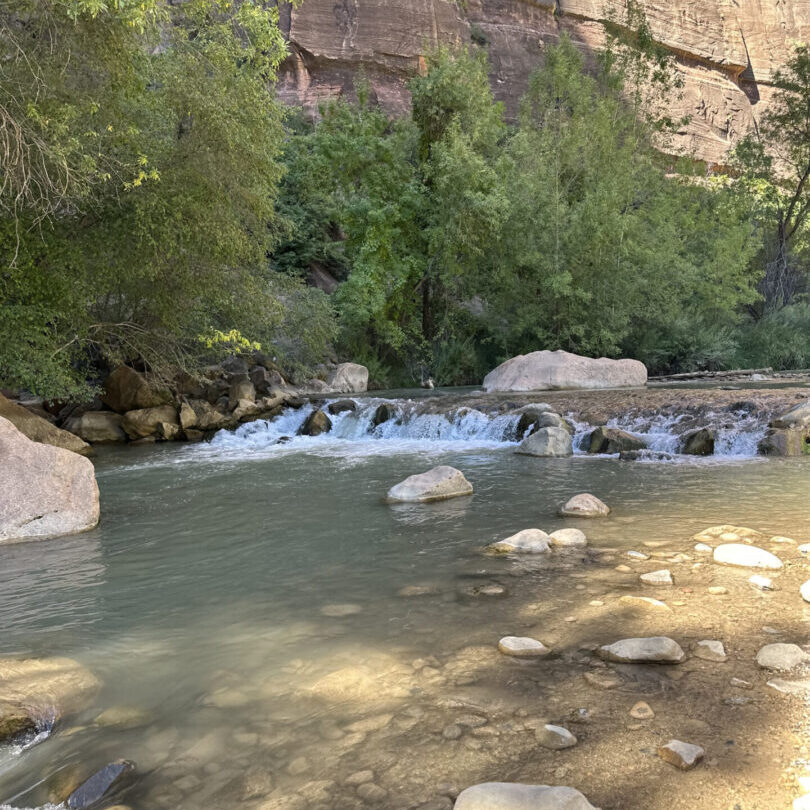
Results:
<point x="198" y="603"/>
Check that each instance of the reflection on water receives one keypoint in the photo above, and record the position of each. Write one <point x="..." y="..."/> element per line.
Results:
<point x="198" y="602"/>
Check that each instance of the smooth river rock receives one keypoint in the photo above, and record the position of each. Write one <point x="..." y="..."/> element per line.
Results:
<point x="584" y="505"/>
<point x="513" y="796"/>
<point x="682" y="755"/>
<point x="651" y="650"/>
<point x="528" y="541"/>
<point x="437" y="484"/>
<point x="710" y="650"/>
<point x="781" y="656"/>
<point x="662" y="577"/>
<point x="45" y="491"/>
<point x="568" y="538"/>
<point x="746" y="556"/>
<point x="522" y="647"/>
<point x="546" y="370"/>
<point x="613" y="440"/>
<point x="804" y="590"/>
<point x="98" y="427"/>
<point x="548" y="442"/>
<point x="555" y="737"/>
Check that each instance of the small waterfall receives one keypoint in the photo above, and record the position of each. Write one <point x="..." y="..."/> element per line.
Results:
<point x="414" y="425"/>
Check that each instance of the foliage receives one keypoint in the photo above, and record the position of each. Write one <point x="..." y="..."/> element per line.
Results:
<point x="157" y="228"/>
<point x="780" y="339"/>
<point x="773" y="163"/>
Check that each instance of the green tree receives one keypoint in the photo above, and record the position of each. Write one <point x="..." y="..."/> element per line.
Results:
<point x="773" y="163"/>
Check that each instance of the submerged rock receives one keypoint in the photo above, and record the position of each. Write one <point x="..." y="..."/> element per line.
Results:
<point x="14" y="720"/>
<point x="45" y="491"/>
<point x="547" y="442"/>
<point x="567" y="538"/>
<point x="746" y="556"/>
<point x="547" y="370"/>
<point x="513" y="796"/>
<point x="642" y="711"/>
<point x="781" y="656"/>
<point x="555" y="737"/>
<point x="727" y="533"/>
<point x="528" y="541"/>
<point x="315" y="424"/>
<point x="102" y="785"/>
<point x="437" y="484"/>
<point x="644" y="602"/>
<point x="682" y="755"/>
<point x="614" y="440"/>
<point x="521" y="647"/>
<point x="652" y="650"/>
<point x="584" y="505"/>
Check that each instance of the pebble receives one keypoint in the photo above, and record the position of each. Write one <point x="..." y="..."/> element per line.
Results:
<point x="596" y="603"/>
<point x="746" y="556"/>
<point x="741" y="684"/>
<point x="761" y="582"/>
<point x="624" y="569"/>
<point x="471" y="720"/>
<point x="555" y="737"/>
<point x="662" y="577"/>
<point x="603" y="678"/>
<point x="452" y="732"/>
<point x="718" y="590"/>
<point x="781" y="656"/>
<point x="804" y="548"/>
<point x="298" y="766"/>
<point x="338" y="611"/>
<point x="654" y="649"/>
<point x="369" y="792"/>
<point x="682" y="755"/>
<point x="638" y="555"/>
<point x="418" y="590"/>
<point x="359" y="778"/>
<point x="645" y="602"/>
<point x="805" y="591"/>
<point x="521" y="647"/>
<point x="655" y="543"/>
<point x="710" y="651"/>
<point x="778" y="538"/>
<point x="642" y="711"/>
<point x="702" y="548"/>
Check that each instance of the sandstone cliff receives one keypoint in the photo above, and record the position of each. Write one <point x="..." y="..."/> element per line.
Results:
<point x="727" y="50"/>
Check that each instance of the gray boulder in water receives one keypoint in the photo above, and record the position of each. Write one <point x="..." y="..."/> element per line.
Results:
<point x="46" y="491"/>
<point x="545" y="370"/>
<point x="547" y="441"/>
<point x="614" y="440"/>
<point x="437" y="484"/>
<point x="348" y="378"/>
<point x="316" y="424"/>
<point x="698" y="443"/>
<point x="514" y="796"/>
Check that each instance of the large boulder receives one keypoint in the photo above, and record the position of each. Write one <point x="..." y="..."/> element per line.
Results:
<point x="199" y="414"/>
<point x="315" y="424"/>
<point x="437" y="484"/>
<point x="46" y="689"/>
<point x="698" y="443"/>
<point x="793" y="441"/>
<point x="45" y="491"/>
<point x="514" y="796"/>
<point x="128" y="390"/>
<point x="145" y="422"/>
<point x="547" y="441"/>
<point x="796" y="417"/>
<point x="614" y="440"/>
<point x="97" y="427"/>
<point x="241" y="389"/>
<point x="545" y="370"/>
<point x="348" y="378"/>
<point x="40" y="430"/>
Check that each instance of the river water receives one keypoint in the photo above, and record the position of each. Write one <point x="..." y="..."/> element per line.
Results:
<point x="265" y="625"/>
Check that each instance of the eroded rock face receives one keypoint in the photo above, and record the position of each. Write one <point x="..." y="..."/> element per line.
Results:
<point x="40" y="430"/>
<point x="725" y="50"/>
<point x="45" y="491"/>
<point x="559" y="370"/>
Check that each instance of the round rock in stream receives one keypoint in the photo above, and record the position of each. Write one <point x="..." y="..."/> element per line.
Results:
<point x="512" y="796"/>
<point x="781" y="656"/>
<point x="584" y="505"/>
<point x="438" y="484"/>
<point x="651" y="650"/>
<point x="746" y="556"/>
<point x="529" y="541"/>
<point x="521" y="647"/>
<point x="566" y="538"/>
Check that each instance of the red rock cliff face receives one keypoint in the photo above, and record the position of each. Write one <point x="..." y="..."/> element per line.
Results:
<point x="727" y="50"/>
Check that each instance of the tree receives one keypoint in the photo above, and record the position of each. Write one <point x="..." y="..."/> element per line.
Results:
<point x="773" y="163"/>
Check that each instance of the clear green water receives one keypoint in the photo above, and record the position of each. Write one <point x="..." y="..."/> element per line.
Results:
<point x="198" y="599"/>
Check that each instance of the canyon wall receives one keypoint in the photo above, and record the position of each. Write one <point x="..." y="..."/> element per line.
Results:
<point x="727" y="50"/>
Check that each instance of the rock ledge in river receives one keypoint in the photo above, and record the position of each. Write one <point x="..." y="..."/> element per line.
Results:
<point x="437" y="484"/>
